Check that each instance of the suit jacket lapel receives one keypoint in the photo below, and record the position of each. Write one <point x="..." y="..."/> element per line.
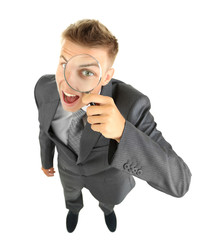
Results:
<point x="89" y="137"/>
<point x="49" y="110"/>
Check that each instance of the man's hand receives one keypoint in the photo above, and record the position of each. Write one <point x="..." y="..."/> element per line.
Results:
<point x="49" y="172"/>
<point x="104" y="117"/>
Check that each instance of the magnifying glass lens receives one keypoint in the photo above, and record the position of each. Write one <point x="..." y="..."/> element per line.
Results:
<point x="82" y="73"/>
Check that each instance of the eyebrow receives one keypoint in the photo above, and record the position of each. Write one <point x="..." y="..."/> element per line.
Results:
<point x="83" y="65"/>
<point x="89" y="65"/>
<point x="61" y="56"/>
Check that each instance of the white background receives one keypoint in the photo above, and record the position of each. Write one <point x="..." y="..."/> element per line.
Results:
<point x="159" y="55"/>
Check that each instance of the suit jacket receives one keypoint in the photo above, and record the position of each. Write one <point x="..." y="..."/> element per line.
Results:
<point x="142" y="151"/>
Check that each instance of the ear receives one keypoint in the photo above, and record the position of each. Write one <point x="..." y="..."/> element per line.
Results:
<point x="108" y="76"/>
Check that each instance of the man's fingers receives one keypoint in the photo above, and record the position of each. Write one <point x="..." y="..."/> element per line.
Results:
<point x="97" y="110"/>
<point x="97" y="119"/>
<point x="94" y="110"/>
<point x="96" y="98"/>
<point x="49" y="172"/>
<point x="98" y="127"/>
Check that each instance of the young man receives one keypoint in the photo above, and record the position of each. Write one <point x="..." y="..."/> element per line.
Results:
<point x="119" y="139"/>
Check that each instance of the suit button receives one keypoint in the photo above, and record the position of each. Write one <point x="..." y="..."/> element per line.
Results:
<point x="131" y="169"/>
<point x="126" y="166"/>
<point x="135" y="170"/>
<point x="139" y="172"/>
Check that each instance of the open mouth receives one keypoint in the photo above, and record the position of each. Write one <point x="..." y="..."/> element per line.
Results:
<point x="69" y="98"/>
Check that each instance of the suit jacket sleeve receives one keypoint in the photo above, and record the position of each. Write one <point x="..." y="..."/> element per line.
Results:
<point x="47" y="147"/>
<point x="144" y="153"/>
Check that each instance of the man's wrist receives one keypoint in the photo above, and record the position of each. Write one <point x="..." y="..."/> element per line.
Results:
<point x="119" y="138"/>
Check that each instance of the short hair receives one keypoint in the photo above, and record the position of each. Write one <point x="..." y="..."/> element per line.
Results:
<point x="92" y="33"/>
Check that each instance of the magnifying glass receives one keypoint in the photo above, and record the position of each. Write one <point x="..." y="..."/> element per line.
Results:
<point x="82" y="73"/>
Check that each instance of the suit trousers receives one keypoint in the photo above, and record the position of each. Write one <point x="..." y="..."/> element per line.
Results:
<point x="73" y="184"/>
<point x="109" y="187"/>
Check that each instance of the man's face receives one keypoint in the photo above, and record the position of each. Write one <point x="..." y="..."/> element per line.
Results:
<point x="68" y="50"/>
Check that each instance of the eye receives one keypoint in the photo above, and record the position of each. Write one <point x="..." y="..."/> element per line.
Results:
<point x="87" y="73"/>
<point x="63" y="65"/>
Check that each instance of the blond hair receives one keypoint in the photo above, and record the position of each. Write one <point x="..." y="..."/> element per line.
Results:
<point x="92" y="33"/>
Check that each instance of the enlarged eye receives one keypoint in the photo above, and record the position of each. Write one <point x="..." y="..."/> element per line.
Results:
<point x="87" y="73"/>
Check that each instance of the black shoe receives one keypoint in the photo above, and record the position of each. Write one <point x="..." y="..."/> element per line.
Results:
<point x="111" y="221"/>
<point x="71" y="221"/>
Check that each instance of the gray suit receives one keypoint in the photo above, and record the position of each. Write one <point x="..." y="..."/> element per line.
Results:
<point x="105" y="167"/>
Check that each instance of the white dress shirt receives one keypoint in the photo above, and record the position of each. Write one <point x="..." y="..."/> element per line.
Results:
<point x="61" y="122"/>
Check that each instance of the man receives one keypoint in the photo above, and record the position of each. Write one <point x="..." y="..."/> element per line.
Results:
<point x="119" y="139"/>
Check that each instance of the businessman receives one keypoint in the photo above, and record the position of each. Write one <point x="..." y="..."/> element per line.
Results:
<point x="101" y="147"/>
